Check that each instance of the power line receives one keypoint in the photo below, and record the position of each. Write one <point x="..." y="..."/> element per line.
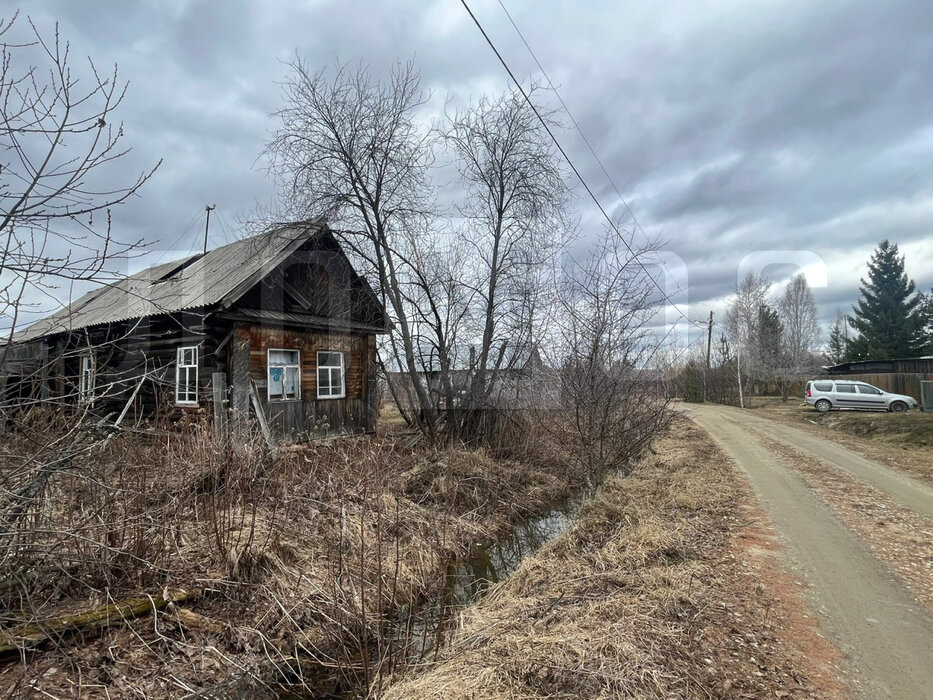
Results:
<point x="171" y="249"/>
<point x="576" y="125"/>
<point x="566" y="157"/>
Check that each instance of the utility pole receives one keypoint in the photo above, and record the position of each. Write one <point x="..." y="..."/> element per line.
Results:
<point x="207" y="224"/>
<point x="738" y="371"/>
<point x="709" y="343"/>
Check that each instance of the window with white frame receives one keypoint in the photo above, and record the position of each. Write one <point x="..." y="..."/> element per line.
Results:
<point x="284" y="370"/>
<point x="86" y="379"/>
<point x="186" y="376"/>
<point x="331" y="382"/>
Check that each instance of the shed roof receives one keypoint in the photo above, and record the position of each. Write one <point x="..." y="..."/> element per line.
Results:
<point x="217" y="277"/>
<point x="867" y="365"/>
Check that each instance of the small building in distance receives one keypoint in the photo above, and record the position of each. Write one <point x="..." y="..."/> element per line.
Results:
<point x="898" y="376"/>
<point x="277" y="326"/>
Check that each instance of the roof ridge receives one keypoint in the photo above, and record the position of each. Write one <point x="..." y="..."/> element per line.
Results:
<point x="208" y="279"/>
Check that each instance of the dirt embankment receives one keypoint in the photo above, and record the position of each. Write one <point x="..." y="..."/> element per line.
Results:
<point x="666" y="587"/>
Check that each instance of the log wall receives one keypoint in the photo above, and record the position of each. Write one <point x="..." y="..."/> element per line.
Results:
<point x="309" y="416"/>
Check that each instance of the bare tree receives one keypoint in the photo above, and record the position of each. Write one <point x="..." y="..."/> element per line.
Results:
<point x="60" y="154"/>
<point x="349" y="146"/>
<point x="441" y="305"/>
<point x="613" y="407"/>
<point x="801" y="330"/>
<point x="742" y="322"/>
<point x="516" y="211"/>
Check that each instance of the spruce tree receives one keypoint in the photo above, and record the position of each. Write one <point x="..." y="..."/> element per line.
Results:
<point x="837" y="344"/>
<point x="887" y="316"/>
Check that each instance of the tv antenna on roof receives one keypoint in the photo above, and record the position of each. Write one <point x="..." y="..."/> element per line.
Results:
<point x="207" y="224"/>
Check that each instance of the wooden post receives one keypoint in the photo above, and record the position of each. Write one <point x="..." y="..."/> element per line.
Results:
<point x="239" y="378"/>
<point x="44" y="391"/>
<point x="709" y="345"/>
<point x="3" y="401"/>
<point x="370" y="385"/>
<point x="219" y="387"/>
<point x="261" y="415"/>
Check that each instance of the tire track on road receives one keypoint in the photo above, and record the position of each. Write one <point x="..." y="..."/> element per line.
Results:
<point x="886" y="635"/>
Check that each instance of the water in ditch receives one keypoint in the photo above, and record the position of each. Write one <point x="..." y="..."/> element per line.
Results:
<point x="427" y="628"/>
<point x="421" y="632"/>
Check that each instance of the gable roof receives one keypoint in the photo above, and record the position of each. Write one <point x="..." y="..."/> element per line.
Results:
<point x="218" y="277"/>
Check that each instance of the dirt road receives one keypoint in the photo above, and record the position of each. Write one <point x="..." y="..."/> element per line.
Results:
<point x="865" y="611"/>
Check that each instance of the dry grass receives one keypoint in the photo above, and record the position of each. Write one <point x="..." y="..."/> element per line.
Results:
<point x="644" y="597"/>
<point x="295" y="562"/>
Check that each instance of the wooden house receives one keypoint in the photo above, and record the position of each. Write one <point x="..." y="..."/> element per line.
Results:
<point x="278" y="326"/>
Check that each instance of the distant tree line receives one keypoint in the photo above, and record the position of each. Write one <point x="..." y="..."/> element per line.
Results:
<point x="771" y="345"/>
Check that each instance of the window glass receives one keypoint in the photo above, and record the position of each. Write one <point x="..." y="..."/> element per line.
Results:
<point x="186" y="376"/>
<point x="823" y="386"/>
<point x="86" y="379"/>
<point x="284" y="374"/>
<point x="845" y="388"/>
<point x="866" y="389"/>
<point x="330" y="375"/>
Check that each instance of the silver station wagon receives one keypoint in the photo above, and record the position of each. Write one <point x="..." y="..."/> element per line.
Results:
<point x="827" y="394"/>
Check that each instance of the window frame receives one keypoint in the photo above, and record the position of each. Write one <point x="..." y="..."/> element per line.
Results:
<point x="869" y="390"/>
<point x="846" y="389"/>
<point x="342" y="367"/>
<point x="296" y="366"/>
<point x="179" y="357"/>
<point x="87" y="378"/>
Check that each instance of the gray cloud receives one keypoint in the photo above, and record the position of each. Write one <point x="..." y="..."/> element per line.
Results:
<point x="729" y="127"/>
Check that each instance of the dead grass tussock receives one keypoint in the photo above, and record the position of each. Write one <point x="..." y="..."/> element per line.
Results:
<point x="303" y="554"/>
<point x="632" y="602"/>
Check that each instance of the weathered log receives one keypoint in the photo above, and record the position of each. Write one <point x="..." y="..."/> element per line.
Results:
<point x="196" y="622"/>
<point x="90" y="621"/>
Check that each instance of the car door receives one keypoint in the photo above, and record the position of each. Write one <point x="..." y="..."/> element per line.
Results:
<point x="870" y="396"/>
<point x="846" y="396"/>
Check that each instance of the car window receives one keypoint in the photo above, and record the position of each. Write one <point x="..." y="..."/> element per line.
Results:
<point x="845" y="389"/>
<point x="823" y="386"/>
<point x="866" y="389"/>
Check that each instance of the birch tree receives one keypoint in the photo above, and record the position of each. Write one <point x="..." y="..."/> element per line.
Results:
<point x="350" y="146"/>
<point x="801" y="329"/>
<point x="515" y="206"/>
<point x="742" y="321"/>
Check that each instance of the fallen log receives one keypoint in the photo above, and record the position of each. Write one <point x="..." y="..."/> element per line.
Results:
<point x="92" y="621"/>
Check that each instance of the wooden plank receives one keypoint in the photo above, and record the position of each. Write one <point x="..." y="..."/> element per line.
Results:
<point x="240" y="371"/>
<point x="219" y="389"/>
<point x="261" y="416"/>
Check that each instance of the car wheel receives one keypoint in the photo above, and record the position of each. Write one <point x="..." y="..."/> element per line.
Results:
<point x="899" y="407"/>
<point x="823" y="405"/>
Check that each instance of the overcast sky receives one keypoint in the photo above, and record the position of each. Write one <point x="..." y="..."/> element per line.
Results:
<point x="730" y="127"/>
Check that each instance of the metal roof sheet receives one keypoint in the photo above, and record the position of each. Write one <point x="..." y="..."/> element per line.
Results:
<point x="191" y="282"/>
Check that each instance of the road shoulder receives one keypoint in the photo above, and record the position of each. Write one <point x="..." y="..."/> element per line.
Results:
<point x="861" y="606"/>
<point x="670" y="584"/>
